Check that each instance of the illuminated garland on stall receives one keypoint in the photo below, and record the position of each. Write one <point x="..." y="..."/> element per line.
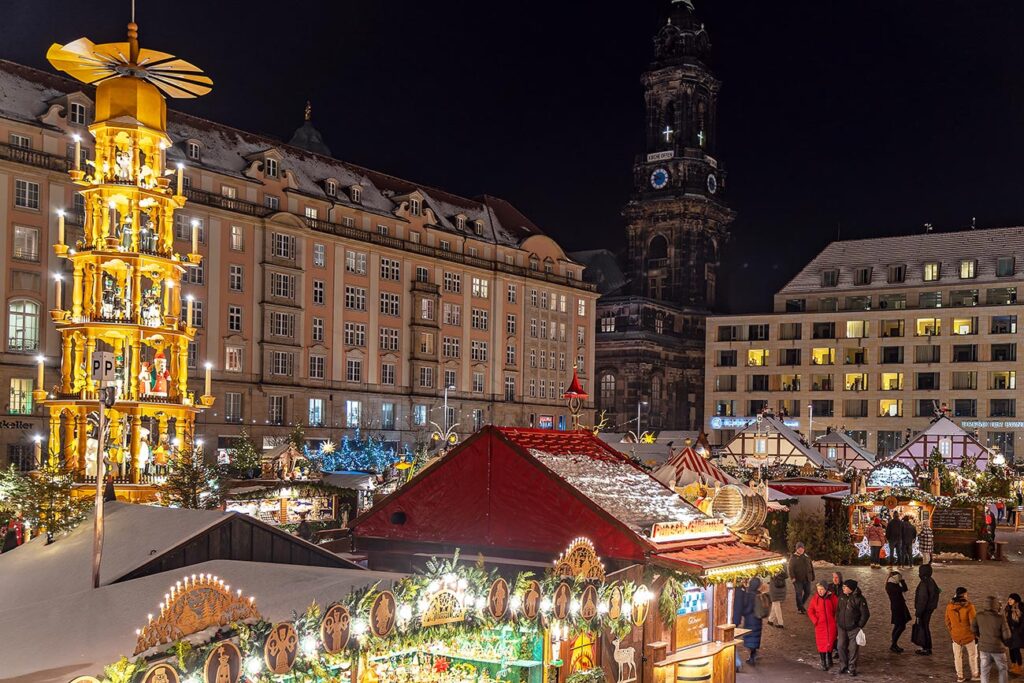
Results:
<point x="905" y="493"/>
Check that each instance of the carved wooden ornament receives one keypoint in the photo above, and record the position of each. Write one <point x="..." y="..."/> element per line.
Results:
<point x="497" y="598"/>
<point x="335" y="629"/>
<point x="281" y="648"/>
<point x="223" y="664"/>
<point x="382" y="614"/>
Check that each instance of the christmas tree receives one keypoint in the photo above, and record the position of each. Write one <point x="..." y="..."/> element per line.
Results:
<point x="356" y="453"/>
<point x="246" y="459"/>
<point x="43" y="498"/>
<point x="191" y="482"/>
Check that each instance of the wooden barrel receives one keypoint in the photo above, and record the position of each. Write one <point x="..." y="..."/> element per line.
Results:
<point x="740" y="509"/>
<point x="693" y="671"/>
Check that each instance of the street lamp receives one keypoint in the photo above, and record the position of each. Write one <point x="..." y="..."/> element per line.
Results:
<point x="446" y="390"/>
<point x="639" y="403"/>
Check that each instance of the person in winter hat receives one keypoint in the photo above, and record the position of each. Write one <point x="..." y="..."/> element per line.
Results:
<point x="821" y="610"/>
<point x="801" y="572"/>
<point x="992" y="632"/>
<point x="851" y="616"/>
<point x="876" y="539"/>
<point x="926" y="542"/>
<point x="926" y="601"/>
<point x="777" y="593"/>
<point x="960" y="614"/>
<point x="895" y="588"/>
<point x="750" y="607"/>
<point x="1014" y="613"/>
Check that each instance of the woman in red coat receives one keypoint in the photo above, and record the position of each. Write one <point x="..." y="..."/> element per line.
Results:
<point x="822" y="612"/>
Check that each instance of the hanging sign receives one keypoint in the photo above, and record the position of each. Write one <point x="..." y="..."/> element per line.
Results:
<point x="588" y="603"/>
<point x="161" y="673"/>
<point x="497" y="598"/>
<point x="891" y="502"/>
<point x="615" y="603"/>
<point x="531" y="600"/>
<point x="563" y="597"/>
<point x="382" y="614"/>
<point x="223" y="664"/>
<point x="444" y="608"/>
<point x="281" y="648"/>
<point x="334" y="629"/>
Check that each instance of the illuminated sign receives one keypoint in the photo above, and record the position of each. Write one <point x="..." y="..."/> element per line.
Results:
<point x="545" y="422"/>
<point x="660" y="156"/>
<point x="677" y="531"/>
<point x="992" y="424"/>
<point x="741" y="422"/>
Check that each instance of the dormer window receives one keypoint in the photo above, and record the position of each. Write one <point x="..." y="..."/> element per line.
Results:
<point x="415" y="206"/>
<point x="76" y="114"/>
<point x="356" y="193"/>
<point x="829" y="278"/>
<point x="192" y="150"/>
<point x="478" y="227"/>
<point x="331" y="188"/>
<point x="270" y="168"/>
<point x="460" y="222"/>
<point x="534" y="262"/>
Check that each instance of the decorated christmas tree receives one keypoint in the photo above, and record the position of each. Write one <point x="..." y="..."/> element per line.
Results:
<point x="191" y="482"/>
<point x="246" y="459"/>
<point x="356" y="453"/>
<point x="43" y="498"/>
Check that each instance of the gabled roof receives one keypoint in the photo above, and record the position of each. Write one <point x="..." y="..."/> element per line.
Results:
<point x="963" y="444"/>
<point x="772" y="424"/>
<point x="839" y="437"/>
<point x="688" y="466"/>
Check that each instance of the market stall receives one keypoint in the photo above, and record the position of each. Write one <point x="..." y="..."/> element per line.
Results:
<point x="284" y="503"/>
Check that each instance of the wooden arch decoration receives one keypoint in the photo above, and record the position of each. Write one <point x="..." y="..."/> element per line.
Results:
<point x="193" y="605"/>
<point x="580" y="561"/>
<point x="444" y="608"/>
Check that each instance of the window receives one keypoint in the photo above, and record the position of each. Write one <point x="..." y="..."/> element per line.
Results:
<point x="964" y="380"/>
<point x="196" y="274"/>
<point x="450" y="347"/>
<point x="232" y="358"/>
<point x="353" y="413"/>
<point x="427" y="342"/>
<point x="21" y="396"/>
<point x="533" y="297"/>
<point x="387" y="373"/>
<point x="928" y="327"/>
<point x="22" y="325"/>
<point x="388" y="339"/>
<point x="965" y="325"/>
<point x="390" y="269"/>
<point x="1004" y="352"/>
<point x="533" y="327"/>
<point x="510" y="388"/>
<point x="1001" y="296"/>
<point x="452" y="314"/>
<point x="478" y="382"/>
<point x="967" y="267"/>
<point x="316" y="412"/>
<point x="862" y="276"/>
<point x="270" y="168"/>
<point x="510" y="324"/>
<point x="478" y="350"/>
<point x="422" y="274"/>
<point x="931" y="271"/>
<point x="897" y="273"/>
<point x="348" y="221"/>
<point x="282" y="363"/>
<point x="480" y="287"/>
<point x="1004" y="324"/>
<point x="581" y="308"/>
<point x="479" y="319"/>
<point x="891" y="328"/>
<point x="356" y="194"/>
<point x="823" y="355"/>
<point x="330" y="188"/>
<point x="232" y="407"/>
<point x="965" y="353"/>
<point x="319" y="255"/>
<point x="927" y="354"/>
<point x="856" y="329"/>
<point x="927" y="381"/>
<point x="355" y="334"/>
<point x="354" y="370"/>
<point x="76" y="113"/>
<point x="387" y="416"/>
<point x="891" y="354"/>
<point x="510" y="355"/>
<point x="727" y="359"/>
<point x="892" y="381"/>
<point x="317" y="367"/>
<point x="511" y="296"/>
<point x="26" y="194"/>
<point x="355" y="262"/>
<point x="427" y="309"/>
<point x="236" y="238"/>
<point x="26" y="243"/>
<point x="426" y="378"/>
<point x="355" y="298"/>
<point x="382" y="230"/>
<point x="228" y="191"/>
<point x="449" y="379"/>
<point x="234" y="318"/>
<point x="581" y="334"/>
<point x="415" y="206"/>
<point x="858" y="303"/>
<point x="271" y="202"/>
<point x="282" y="246"/>
<point x="193" y="151"/>
<point x="1002" y="407"/>
<point x="563" y="303"/>
<point x="235" y="278"/>
<point x="1005" y="266"/>
<point x="531" y="390"/>
<point x="608" y="323"/>
<point x="318" y="292"/>
<point x="1001" y="380"/>
<point x="830" y="278"/>
<point x="789" y="357"/>
<point x="963" y="297"/>
<point x="414" y="237"/>
<point x="318" y="329"/>
<point x="282" y="324"/>
<point x="282" y="285"/>
<point x="453" y="282"/>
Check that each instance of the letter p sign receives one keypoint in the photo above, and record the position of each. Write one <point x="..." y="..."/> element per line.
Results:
<point x="103" y="366"/>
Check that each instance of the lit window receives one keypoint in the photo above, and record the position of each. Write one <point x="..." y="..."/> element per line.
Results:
<point x="270" y="168"/>
<point x="931" y="271"/>
<point x="21" y="141"/>
<point x="21" y="396"/>
<point x="228" y="191"/>
<point x="22" y="325"/>
<point x="967" y="267"/>
<point x="480" y="287"/>
<point x="355" y="262"/>
<point x="26" y="243"/>
<point x="233" y="359"/>
<point x="236" y="237"/>
<point x="319" y="255"/>
<point x="316" y="412"/>
<point x="192" y="149"/>
<point x="312" y="213"/>
<point x="353" y="412"/>
<point x="275" y="412"/>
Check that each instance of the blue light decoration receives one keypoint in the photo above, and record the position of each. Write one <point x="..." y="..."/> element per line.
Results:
<point x="354" y="454"/>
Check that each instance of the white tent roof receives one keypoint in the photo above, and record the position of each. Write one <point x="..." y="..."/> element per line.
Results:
<point x="92" y="628"/>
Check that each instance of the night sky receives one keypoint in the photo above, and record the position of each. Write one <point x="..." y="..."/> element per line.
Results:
<point x="870" y="118"/>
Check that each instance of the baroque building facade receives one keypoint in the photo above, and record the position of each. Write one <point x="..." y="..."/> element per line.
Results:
<point x="328" y="294"/>
<point x="651" y="319"/>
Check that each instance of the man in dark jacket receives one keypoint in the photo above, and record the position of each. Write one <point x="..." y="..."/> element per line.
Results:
<point x="926" y="601"/>
<point x="851" y="616"/>
<point x="907" y="539"/>
<point x="801" y="571"/>
<point x="894" y="537"/>
<point x="991" y="630"/>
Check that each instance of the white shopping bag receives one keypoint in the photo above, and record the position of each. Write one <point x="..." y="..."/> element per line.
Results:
<point x="861" y="639"/>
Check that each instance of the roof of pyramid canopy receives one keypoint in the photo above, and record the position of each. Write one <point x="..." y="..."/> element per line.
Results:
<point x="688" y="466"/>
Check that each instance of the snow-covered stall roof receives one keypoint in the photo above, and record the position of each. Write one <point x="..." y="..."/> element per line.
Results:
<point x="688" y="466"/>
<point x="792" y="448"/>
<point x="853" y="454"/>
<point x="91" y="628"/>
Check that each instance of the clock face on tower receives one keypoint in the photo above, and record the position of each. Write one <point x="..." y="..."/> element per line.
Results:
<point x="659" y="178"/>
<point x="712" y="183"/>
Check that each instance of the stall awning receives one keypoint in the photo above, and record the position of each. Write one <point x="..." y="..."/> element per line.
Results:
<point x="718" y="558"/>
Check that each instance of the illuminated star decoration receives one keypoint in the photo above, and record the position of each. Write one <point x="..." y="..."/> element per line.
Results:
<point x="328" y="446"/>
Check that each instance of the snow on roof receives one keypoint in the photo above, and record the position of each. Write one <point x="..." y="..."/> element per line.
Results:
<point x="24" y="98"/>
<point x="912" y="251"/>
<point x="839" y="436"/>
<point x="132" y="534"/>
<point x="790" y="435"/>
<point x="621" y="489"/>
<point x="95" y="627"/>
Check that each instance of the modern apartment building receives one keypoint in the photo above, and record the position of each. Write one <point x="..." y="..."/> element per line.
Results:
<point x="329" y="294"/>
<point x="873" y="335"/>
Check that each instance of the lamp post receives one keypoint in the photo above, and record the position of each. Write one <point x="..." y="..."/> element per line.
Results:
<point x="639" y="403"/>
<point x="446" y="389"/>
<point x="810" y="421"/>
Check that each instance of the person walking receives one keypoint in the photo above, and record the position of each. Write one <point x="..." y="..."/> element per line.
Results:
<point x="907" y="539"/>
<point x="991" y="630"/>
<point x="851" y="617"/>
<point x="926" y="601"/>
<point x="750" y="607"/>
<point x="1015" y="622"/>
<point x="876" y="539"/>
<point x="895" y="587"/>
<point x="821" y="610"/>
<point x="926" y="542"/>
<point x="894" y="537"/>
<point x="960" y="614"/>
<point x="801" y="571"/>
<point x="777" y="593"/>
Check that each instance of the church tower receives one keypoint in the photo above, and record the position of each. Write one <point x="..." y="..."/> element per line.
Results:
<point x="676" y="219"/>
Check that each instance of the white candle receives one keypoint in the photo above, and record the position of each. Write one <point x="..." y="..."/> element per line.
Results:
<point x="195" y="236"/>
<point x="78" y="152"/>
<point x="209" y="377"/>
<point x="39" y="373"/>
<point x="60" y="227"/>
<point x="181" y="169"/>
<point x="188" y="311"/>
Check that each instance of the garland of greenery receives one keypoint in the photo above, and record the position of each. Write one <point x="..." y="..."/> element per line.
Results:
<point x="905" y="493"/>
